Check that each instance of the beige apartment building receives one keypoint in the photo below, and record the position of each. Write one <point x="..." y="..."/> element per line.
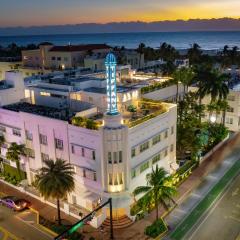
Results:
<point x="49" y="56"/>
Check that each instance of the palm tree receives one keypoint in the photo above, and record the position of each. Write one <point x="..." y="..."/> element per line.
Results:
<point x="55" y="180"/>
<point x="223" y="106"/>
<point x="183" y="75"/>
<point x="217" y="87"/>
<point x="14" y="152"/>
<point x="159" y="188"/>
<point x="194" y="54"/>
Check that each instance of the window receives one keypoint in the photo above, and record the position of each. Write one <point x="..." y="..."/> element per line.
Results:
<point x="53" y="58"/>
<point x="29" y="135"/>
<point x="2" y="129"/>
<point x="83" y="152"/>
<point x="165" y="153"/>
<point x="93" y="155"/>
<point x="133" y="152"/>
<point x="94" y="176"/>
<point x="65" y="59"/>
<point x="16" y="132"/>
<point x="133" y="173"/>
<point x="144" y="146"/>
<point x="229" y="120"/>
<point x="120" y="156"/>
<point x="110" y="178"/>
<point x="84" y="173"/>
<point x="73" y="150"/>
<point x="166" y="134"/>
<point x="156" y="158"/>
<point x="43" y="139"/>
<point x="230" y="109"/>
<point x="30" y="152"/>
<point x="120" y="178"/>
<point x="172" y="130"/>
<point x="109" y="157"/>
<point x="115" y="157"/>
<point x="156" y="139"/>
<point x="44" y="156"/>
<point x="58" y="143"/>
<point x="171" y="148"/>
<point x="144" y="166"/>
<point x="59" y="58"/>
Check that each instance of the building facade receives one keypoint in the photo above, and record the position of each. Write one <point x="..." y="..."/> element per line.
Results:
<point x="110" y="161"/>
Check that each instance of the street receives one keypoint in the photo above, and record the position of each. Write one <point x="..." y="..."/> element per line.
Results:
<point x="223" y="220"/>
<point x="21" y="224"/>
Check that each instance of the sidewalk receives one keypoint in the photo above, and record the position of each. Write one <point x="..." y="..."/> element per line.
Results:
<point x="136" y="231"/>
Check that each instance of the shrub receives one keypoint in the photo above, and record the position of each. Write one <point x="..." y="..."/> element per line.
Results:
<point x="12" y="172"/>
<point x="157" y="228"/>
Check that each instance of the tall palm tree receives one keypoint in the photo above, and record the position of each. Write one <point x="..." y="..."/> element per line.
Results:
<point x="14" y="153"/>
<point x="217" y="87"/>
<point x="159" y="188"/>
<point x="223" y="106"/>
<point x="183" y="75"/>
<point x="194" y="54"/>
<point x="55" y="180"/>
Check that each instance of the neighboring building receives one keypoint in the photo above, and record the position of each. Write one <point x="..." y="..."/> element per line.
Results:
<point x="232" y="118"/>
<point x="179" y="63"/>
<point x="12" y="88"/>
<point x="110" y="161"/>
<point x="49" y="56"/>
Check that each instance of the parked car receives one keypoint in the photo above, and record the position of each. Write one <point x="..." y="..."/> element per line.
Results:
<point x="17" y="204"/>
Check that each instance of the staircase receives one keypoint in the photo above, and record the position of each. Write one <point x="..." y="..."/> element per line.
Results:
<point x="120" y="222"/>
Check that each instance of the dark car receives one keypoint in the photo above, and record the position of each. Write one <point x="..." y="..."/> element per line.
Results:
<point x="17" y="204"/>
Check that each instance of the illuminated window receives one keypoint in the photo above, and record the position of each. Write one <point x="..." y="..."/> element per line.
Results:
<point x="45" y="94"/>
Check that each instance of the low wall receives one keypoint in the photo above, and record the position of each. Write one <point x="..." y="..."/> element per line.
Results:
<point x="215" y="148"/>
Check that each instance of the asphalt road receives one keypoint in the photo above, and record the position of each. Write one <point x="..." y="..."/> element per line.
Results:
<point x="21" y="224"/>
<point x="222" y="222"/>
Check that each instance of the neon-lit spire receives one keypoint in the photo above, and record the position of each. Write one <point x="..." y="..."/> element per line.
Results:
<point x="110" y="64"/>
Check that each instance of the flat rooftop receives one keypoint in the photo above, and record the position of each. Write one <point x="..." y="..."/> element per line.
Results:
<point x="50" y="112"/>
<point x="120" y="89"/>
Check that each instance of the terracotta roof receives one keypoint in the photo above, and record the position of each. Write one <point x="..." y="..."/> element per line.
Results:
<point x="79" y="48"/>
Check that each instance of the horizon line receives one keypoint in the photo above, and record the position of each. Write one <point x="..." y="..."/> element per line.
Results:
<point x="117" y="22"/>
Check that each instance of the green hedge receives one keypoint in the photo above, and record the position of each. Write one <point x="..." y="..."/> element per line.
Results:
<point x="12" y="172"/>
<point x="157" y="228"/>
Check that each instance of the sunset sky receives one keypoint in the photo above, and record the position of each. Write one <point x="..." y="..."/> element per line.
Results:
<point x="51" y="12"/>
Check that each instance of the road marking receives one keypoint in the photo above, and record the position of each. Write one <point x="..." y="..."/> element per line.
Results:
<point x="34" y="227"/>
<point x="210" y="212"/>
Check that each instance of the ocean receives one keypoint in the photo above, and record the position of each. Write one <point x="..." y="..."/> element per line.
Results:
<point x="180" y="40"/>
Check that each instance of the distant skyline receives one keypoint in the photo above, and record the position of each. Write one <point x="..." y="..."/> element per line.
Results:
<point x="61" y="12"/>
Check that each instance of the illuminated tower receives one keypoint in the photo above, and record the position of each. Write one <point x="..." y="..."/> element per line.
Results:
<point x="114" y="135"/>
<point x="110" y="64"/>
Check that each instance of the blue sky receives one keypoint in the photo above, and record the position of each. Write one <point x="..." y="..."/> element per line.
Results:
<point x="51" y="12"/>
